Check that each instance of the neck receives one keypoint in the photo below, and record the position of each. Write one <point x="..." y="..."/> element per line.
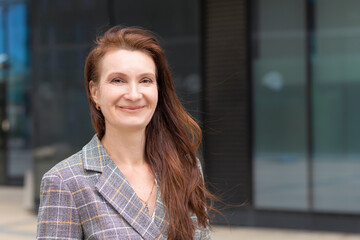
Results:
<point x="126" y="148"/>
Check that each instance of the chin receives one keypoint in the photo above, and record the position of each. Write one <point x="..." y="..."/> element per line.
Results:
<point x="133" y="126"/>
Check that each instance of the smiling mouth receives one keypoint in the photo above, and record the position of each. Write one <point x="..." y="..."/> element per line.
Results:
<point x="131" y="108"/>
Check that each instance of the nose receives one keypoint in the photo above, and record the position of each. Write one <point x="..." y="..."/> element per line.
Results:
<point x="133" y="92"/>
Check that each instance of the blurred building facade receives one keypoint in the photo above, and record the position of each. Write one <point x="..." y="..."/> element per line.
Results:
<point x="15" y="91"/>
<point x="273" y="84"/>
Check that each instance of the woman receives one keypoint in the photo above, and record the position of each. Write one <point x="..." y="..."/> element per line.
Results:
<point x="138" y="178"/>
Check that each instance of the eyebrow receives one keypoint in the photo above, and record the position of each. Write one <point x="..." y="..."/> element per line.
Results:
<point x="125" y="75"/>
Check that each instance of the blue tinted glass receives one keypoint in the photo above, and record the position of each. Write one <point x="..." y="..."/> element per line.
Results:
<point x="2" y="16"/>
<point x="18" y="87"/>
<point x="17" y="35"/>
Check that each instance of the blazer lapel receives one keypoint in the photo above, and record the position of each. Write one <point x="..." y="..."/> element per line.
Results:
<point x="114" y="187"/>
<point x="160" y="217"/>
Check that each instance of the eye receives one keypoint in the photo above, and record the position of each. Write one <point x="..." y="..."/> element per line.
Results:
<point x="117" y="80"/>
<point x="146" y="80"/>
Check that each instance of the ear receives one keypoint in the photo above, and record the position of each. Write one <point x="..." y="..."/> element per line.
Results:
<point x="94" y="91"/>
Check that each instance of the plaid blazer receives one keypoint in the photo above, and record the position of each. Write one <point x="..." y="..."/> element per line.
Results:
<point x="87" y="197"/>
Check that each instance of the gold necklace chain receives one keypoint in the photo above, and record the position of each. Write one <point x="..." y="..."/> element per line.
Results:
<point x="146" y="203"/>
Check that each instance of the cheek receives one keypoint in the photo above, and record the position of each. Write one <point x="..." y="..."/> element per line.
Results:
<point x="152" y="96"/>
<point x="155" y="97"/>
<point x="110" y="95"/>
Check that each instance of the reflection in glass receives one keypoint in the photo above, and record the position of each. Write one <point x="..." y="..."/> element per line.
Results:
<point x="279" y="106"/>
<point x="336" y="113"/>
<point x="18" y="91"/>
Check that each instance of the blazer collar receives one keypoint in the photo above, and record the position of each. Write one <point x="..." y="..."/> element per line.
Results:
<point x="114" y="187"/>
<point x="95" y="156"/>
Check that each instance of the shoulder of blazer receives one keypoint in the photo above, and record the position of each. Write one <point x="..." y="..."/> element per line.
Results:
<point x="90" y="157"/>
<point x="78" y="163"/>
<point x="73" y="162"/>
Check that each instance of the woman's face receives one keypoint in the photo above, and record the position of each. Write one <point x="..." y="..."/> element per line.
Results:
<point x="127" y="89"/>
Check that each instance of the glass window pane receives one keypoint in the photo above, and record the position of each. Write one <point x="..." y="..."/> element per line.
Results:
<point x="279" y="75"/>
<point x="19" y="157"/>
<point x="336" y="113"/>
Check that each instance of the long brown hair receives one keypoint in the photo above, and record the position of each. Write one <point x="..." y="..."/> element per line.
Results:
<point x="172" y="136"/>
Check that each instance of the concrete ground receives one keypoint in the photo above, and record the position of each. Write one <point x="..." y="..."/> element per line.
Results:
<point x="16" y="223"/>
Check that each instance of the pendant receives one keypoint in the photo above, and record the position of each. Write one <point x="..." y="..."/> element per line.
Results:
<point x="146" y="208"/>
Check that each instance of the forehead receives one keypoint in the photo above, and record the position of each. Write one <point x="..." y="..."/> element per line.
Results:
<point x="127" y="62"/>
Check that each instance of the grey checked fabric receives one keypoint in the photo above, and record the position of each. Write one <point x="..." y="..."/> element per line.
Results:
<point x="87" y="197"/>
